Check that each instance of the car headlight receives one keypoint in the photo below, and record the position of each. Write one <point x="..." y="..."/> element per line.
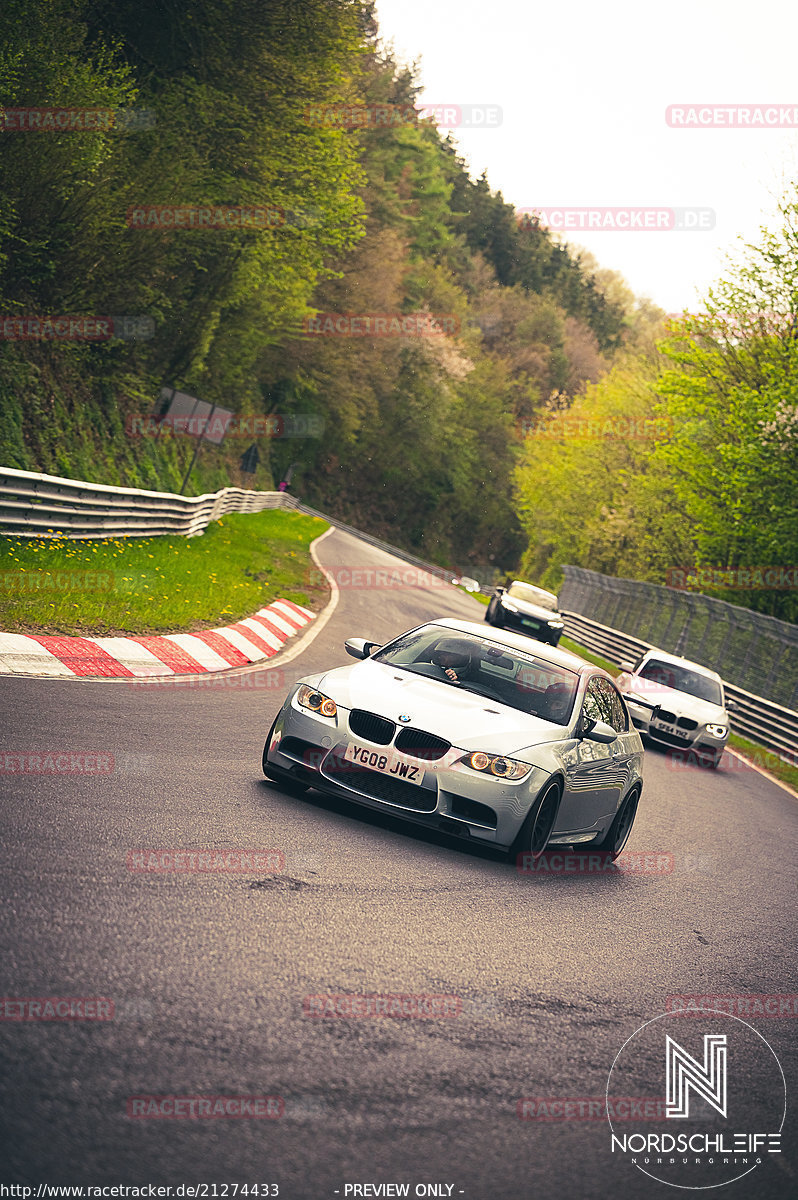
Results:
<point x="497" y="764"/>
<point x="556" y="624"/>
<point x="717" y="730"/>
<point x="316" y="701"/>
<point x="508" y="604"/>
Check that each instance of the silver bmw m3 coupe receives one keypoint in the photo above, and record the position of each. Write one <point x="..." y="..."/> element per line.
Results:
<point x="476" y="732"/>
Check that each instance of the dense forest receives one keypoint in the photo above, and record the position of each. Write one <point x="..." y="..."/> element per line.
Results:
<point x="449" y="365"/>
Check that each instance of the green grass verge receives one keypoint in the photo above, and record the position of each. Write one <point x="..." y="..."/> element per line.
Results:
<point x="768" y="760"/>
<point x="160" y="584"/>
<point x="477" y="596"/>
<point x="589" y="656"/>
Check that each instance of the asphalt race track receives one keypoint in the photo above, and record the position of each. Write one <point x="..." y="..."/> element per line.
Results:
<point x="208" y="973"/>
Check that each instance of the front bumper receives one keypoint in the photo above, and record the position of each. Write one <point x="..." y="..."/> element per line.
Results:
<point x="532" y="626"/>
<point x="451" y="797"/>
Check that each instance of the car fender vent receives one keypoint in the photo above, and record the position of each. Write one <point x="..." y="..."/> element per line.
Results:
<point x="473" y="811"/>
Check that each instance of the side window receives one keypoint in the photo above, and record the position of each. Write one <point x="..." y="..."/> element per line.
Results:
<point x="619" y="719"/>
<point x="597" y="705"/>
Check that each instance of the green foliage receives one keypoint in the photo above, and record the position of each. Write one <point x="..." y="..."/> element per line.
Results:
<point x="715" y="484"/>
<point x="420" y="433"/>
<point x="162" y="584"/>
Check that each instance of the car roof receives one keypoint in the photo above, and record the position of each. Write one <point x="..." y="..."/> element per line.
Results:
<point x="680" y="662"/>
<point x="518" y="641"/>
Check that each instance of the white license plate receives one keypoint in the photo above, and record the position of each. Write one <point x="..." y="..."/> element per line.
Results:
<point x="666" y="728"/>
<point x="386" y="762"/>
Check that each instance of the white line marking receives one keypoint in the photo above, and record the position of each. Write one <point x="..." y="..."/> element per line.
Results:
<point x="133" y="655"/>
<point x="265" y="634"/>
<point x="205" y="655"/>
<point x="22" y="655"/>
<point x="274" y="616"/>
<point x="252" y="652"/>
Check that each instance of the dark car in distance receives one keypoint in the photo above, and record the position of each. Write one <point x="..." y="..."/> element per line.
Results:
<point x="525" y="608"/>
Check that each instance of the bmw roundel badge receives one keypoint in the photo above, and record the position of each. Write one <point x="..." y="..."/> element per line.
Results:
<point x="404" y="718"/>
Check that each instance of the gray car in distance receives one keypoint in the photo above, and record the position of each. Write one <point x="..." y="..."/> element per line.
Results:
<point x="526" y="609"/>
<point x="471" y="731"/>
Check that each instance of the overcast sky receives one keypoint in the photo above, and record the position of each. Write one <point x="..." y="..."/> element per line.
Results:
<point x="584" y="87"/>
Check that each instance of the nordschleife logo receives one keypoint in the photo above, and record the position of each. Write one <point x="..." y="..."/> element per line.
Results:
<point x="684" y="1073"/>
<point x="724" y="1099"/>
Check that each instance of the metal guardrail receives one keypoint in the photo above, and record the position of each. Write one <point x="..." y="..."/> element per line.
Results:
<point x="764" y="722"/>
<point x="758" y="653"/>
<point x="34" y="505"/>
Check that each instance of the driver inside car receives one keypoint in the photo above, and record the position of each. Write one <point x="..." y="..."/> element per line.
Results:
<point x="557" y="703"/>
<point x="453" y="656"/>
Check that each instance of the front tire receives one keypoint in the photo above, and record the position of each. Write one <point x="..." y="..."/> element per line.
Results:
<point x="536" y="830"/>
<point x="493" y="615"/>
<point x="617" y="835"/>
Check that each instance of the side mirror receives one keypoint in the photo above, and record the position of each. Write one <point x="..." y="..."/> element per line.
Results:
<point x="732" y="706"/>
<point x="497" y="591"/>
<point x="360" y="648"/>
<point x="601" y="733"/>
<point x="627" y="666"/>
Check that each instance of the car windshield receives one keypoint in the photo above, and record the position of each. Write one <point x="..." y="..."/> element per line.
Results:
<point x="682" y="679"/>
<point x="533" y="595"/>
<point x="520" y="680"/>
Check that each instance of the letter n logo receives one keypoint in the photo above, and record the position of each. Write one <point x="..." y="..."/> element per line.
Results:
<point x="684" y="1072"/>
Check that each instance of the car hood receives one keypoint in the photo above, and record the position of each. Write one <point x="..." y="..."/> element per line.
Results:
<point x="681" y="703"/>
<point x="532" y="610"/>
<point x="468" y="721"/>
